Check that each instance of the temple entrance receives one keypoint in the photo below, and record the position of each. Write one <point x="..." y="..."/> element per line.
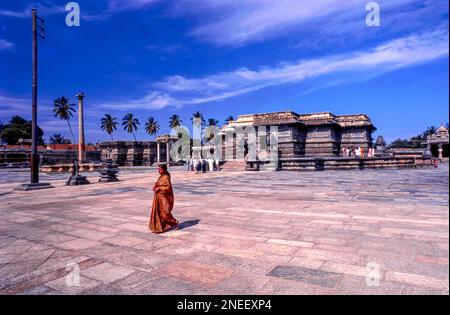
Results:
<point x="434" y="148"/>
<point x="437" y="143"/>
<point x="245" y="149"/>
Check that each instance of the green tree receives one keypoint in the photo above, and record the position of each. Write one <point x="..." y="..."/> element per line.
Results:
<point x="64" y="110"/>
<point x="418" y="141"/>
<point x="18" y="127"/>
<point x="151" y="126"/>
<point x="2" y="126"/>
<point x="109" y="124"/>
<point x="400" y="143"/>
<point x="130" y="124"/>
<point x="174" y="121"/>
<point x="17" y="120"/>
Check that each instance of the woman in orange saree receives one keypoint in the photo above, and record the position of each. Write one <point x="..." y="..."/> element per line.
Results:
<point x="161" y="218"/>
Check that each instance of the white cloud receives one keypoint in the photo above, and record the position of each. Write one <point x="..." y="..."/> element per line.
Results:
<point x="43" y="8"/>
<point x="117" y="6"/>
<point x="225" y="22"/>
<point x="154" y="100"/>
<point x="13" y="105"/>
<point x="122" y="5"/>
<point x="18" y="14"/>
<point x="4" y="44"/>
<point x="10" y="106"/>
<point x="403" y="52"/>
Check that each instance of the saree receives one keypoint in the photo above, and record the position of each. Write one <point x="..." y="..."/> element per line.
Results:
<point x="161" y="218"/>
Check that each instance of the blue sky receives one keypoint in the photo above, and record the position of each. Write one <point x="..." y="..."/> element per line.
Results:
<point x="222" y="57"/>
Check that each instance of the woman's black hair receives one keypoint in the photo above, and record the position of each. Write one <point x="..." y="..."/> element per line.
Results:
<point x="164" y="167"/>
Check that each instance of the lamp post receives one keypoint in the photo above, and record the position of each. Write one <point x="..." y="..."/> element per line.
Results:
<point x="37" y="30"/>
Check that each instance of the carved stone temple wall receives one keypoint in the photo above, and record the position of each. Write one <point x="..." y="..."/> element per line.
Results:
<point x="309" y="142"/>
<point x="308" y="135"/>
<point x="129" y="153"/>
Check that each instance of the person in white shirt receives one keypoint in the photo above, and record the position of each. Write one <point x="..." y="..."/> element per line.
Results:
<point x="217" y="165"/>
<point x="210" y="165"/>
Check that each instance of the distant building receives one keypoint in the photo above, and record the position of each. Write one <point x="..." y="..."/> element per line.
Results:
<point x="437" y="143"/>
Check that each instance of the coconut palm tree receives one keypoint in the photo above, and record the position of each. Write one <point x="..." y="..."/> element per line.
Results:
<point x="212" y="122"/>
<point x="430" y="131"/>
<point x="64" y="110"/>
<point x="198" y="117"/>
<point x="211" y="128"/>
<point x="56" y="138"/>
<point x="151" y="126"/>
<point x="229" y="118"/>
<point x="109" y="124"/>
<point x="130" y="124"/>
<point x="175" y="121"/>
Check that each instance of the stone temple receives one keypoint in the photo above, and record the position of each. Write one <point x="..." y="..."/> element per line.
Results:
<point x="306" y="142"/>
<point x="312" y="135"/>
<point x="274" y="141"/>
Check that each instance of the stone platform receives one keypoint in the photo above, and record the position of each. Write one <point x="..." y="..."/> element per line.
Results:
<point x="287" y="232"/>
<point x="342" y="163"/>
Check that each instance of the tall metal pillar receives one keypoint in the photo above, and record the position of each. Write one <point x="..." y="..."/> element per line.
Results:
<point x="34" y="157"/>
<point x="34" y="133"/>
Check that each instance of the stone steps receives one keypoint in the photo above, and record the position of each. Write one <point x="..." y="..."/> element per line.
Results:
<point x="234" y="166"/>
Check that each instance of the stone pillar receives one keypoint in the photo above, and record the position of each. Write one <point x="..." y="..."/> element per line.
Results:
<point x="167" y="153"/>
<point x="81" y="145"/>
<point x="428" y="150"/>
<point x="157" y="153"/>
<point x="440" y="151"/>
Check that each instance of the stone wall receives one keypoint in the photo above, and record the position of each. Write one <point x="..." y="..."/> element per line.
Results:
<point x="129" y="153"/>
<point x="308" y="135"/>
<point x="356" y="137"/>
<point x="291" y="140"/>
<point x="20" y="157"/>
<point x="322" y="141"/>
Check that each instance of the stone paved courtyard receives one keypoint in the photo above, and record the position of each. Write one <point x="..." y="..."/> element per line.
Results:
<point x="241" y="233"/>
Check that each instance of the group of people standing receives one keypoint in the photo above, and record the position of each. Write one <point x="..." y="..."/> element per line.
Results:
<point x="357" y="152"/>
<point x="200" y="165"/>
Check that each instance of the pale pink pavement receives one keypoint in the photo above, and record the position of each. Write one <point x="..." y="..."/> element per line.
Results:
<point x="241" y="233"/>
